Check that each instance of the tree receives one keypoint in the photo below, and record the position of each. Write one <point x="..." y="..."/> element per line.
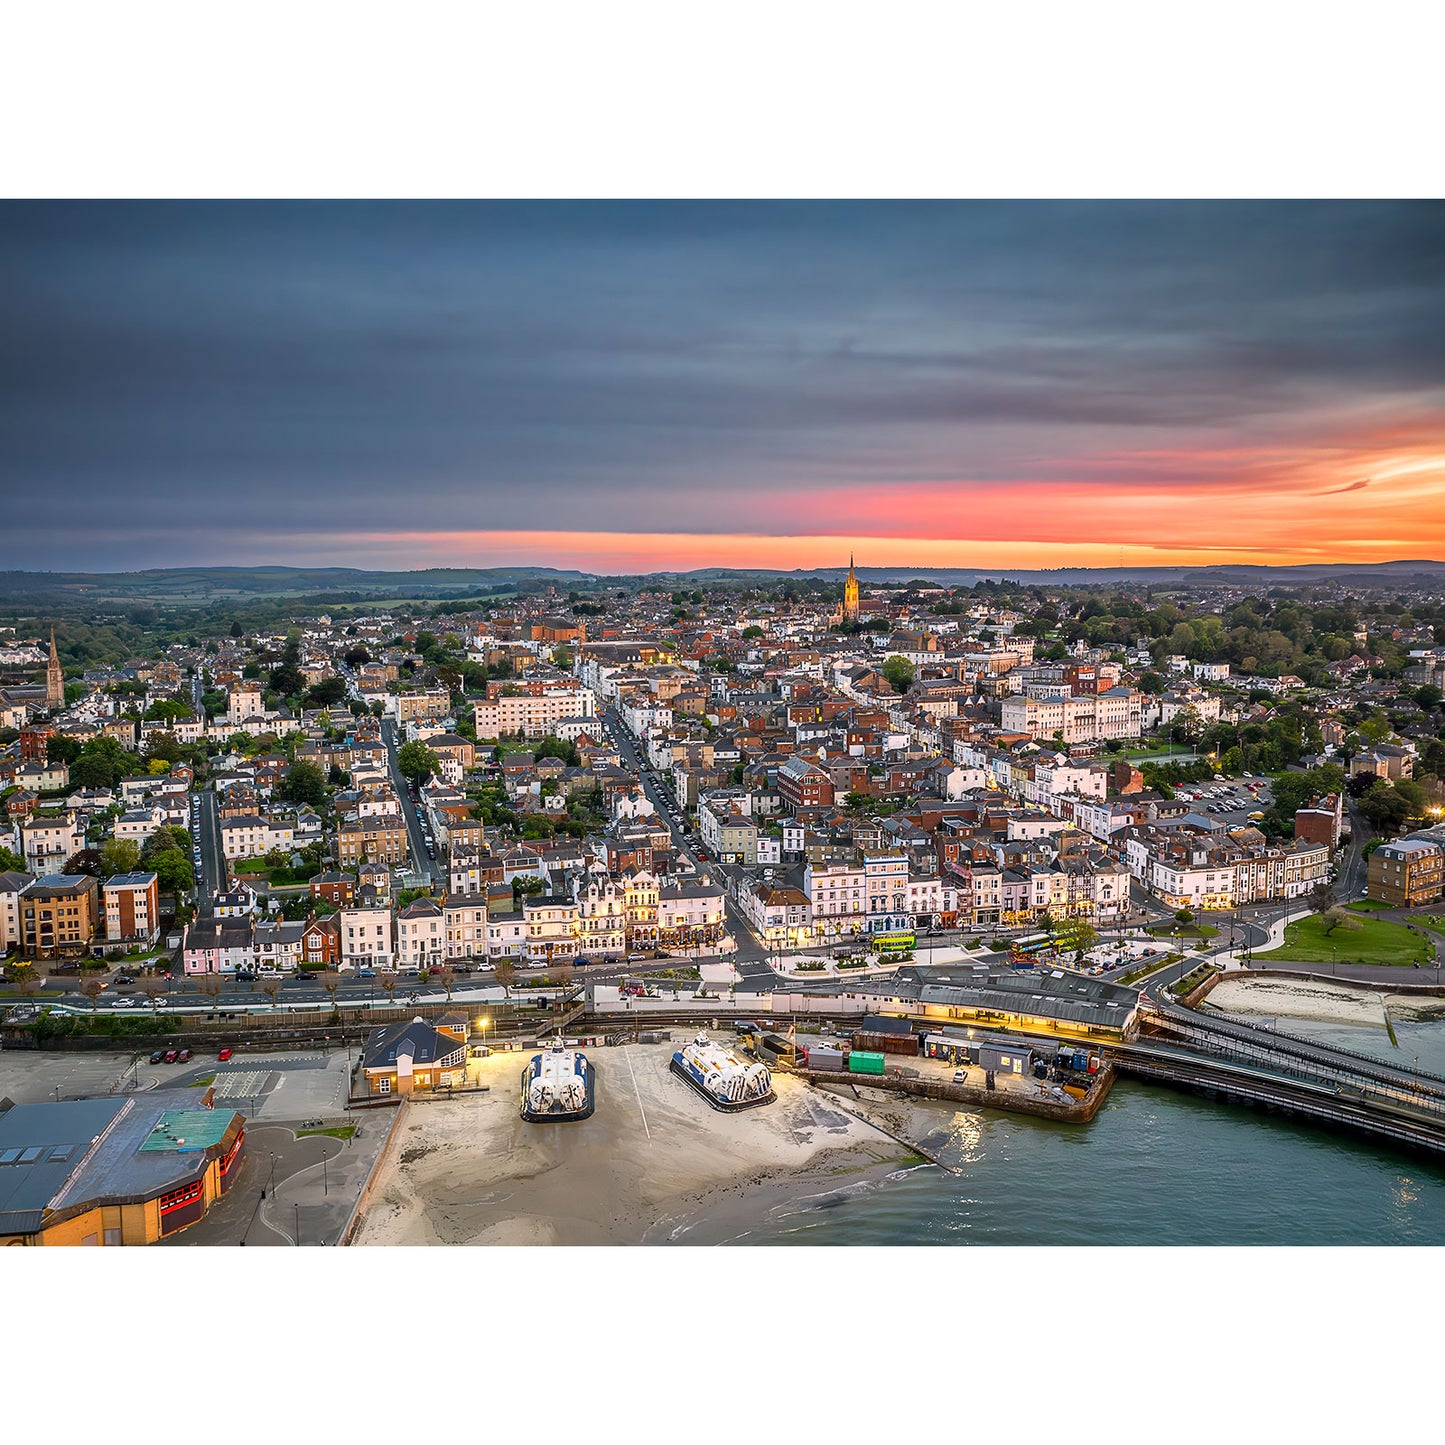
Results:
<point x="271" y="987"/>
<point x="563" y="975"/>
<point x="899" y="673"/>
<point x="1183" y="917"/>
<point x="154" y="989"/>
<point x="211" y="986"/>
<point x="173" y="870"/>
<point x="417" y="762"/>
<point x="389" y="982"/>
<point x="329" y="692"/>
<point x="91" y="988"/>
<point x="1383" y="806"/>
<point x="61" y="749"/>
<point x="356" y="656"/>
<point x="11" y="862"/>
<point x="102" y="763"/>
<point x="447" y="977"/>
<point x="1341" y="918"/>
<point x="331" y="981"/>
<point x="506" y="975"/>
<point x="167" y="709"/>
<point x="304" y="784"/>
<point x="119" y="855"/>
<point x="1428" y="697"/>
<point x="162" y="839"/>
<point x="752" y="631"/>
<point x="1151" y="683"/>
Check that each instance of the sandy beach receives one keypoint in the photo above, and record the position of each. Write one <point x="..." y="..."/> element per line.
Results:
<point x="1327" y="1002"/>
<point x="654" y="1164"/>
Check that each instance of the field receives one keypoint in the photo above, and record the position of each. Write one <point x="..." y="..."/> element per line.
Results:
<point x="1375" y="941"/>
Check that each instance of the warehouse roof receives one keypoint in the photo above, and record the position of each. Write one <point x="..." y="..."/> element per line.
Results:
<point x="1036" y="992"/>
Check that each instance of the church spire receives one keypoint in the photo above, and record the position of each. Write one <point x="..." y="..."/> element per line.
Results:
<point x="54" y="676"/>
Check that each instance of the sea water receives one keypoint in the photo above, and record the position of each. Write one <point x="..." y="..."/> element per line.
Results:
<point x="1156" y="1166"/>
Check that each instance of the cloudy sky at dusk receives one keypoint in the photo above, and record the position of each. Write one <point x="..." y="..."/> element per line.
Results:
<point x="627" y="387"/>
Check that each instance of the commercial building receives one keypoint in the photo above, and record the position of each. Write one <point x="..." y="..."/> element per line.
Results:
<point x="533" y="716"/>
<point x="59" y="916"/>
<point x="415" y="1055"/>
<point x="1406" y="873"/>
<point x="132" y="909"/>
<point x="1031" y="1001"/>
<point x="113" y="1171"/>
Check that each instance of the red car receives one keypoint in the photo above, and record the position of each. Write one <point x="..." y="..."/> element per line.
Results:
<point x="170" y="1056"/>
<point x="184" y="1057"/>
<point x="223" y="1055"/>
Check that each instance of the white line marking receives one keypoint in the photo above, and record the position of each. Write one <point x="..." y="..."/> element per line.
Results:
<point x="637" y="1091"/>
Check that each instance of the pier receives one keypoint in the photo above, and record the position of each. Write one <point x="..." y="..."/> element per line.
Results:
<point x="1228" y="1059"/>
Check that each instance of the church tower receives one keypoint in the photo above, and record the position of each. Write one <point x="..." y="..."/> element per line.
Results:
<point x="850" y="593"/>
<point x="54" y="677"/>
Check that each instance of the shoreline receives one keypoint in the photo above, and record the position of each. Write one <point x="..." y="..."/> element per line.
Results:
<point x="730" y="1213"/>
<point x="1321" y="1001"/>
<point x="653" y="1165"/>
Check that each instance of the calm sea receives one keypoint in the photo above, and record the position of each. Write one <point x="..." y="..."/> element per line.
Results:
<point x="1155" y="1167"/>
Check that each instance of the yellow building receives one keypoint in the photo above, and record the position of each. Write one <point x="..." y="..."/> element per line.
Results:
<point x="112" y="1171"/>
<point x="416" y="1055"/>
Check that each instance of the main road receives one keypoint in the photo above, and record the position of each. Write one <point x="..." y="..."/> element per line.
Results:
<point x="755" y="974"/>
<point x="416" y="839"/>
<point x="213" y="861"/>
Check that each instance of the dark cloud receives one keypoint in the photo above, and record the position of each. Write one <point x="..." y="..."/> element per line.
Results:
<point x="654" y="366"/>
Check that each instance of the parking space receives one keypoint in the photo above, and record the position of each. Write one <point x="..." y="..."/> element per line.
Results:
<point x="33" y="1077"/>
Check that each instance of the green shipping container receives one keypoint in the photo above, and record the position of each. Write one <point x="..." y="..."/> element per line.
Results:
<point x="865" y="1063"/>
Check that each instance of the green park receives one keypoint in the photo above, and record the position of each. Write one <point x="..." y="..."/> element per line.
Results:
<point x="1325" y="938"/>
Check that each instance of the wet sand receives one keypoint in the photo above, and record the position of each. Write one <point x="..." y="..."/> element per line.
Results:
<point x="1322" y="1001"/>
<point x="654" y="1164"/>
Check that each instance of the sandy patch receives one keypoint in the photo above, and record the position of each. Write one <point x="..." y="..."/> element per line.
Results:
<point x="654" y="1162"/>
<point x="1326" y="1002"/>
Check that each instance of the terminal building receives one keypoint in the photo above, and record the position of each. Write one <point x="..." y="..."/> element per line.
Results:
<point x="1036" y="1001"/>
<point x="112" y="1170"/>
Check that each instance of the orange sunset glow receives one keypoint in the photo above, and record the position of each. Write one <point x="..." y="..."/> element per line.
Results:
<point x="623" y="388"/>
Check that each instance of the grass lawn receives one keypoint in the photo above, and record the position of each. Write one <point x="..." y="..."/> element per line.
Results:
<point x="1188" y="930"/>
<point x="344" y="1131"/>
<point x="1375" y="941"/>
<point x="1366" y="905"/>
<point x="1435" y="922"/>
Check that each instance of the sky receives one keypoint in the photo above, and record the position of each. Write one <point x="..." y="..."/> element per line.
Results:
<point x="629" y="387"/>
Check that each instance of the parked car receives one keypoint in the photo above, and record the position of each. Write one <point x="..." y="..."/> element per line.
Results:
<point x="222" y="1056"/>
<point x="158" y="1056"/>
<point x="183" y="1057"/>
<point x="366" y="973"/>
<point x="170" y="1056"/>
<point x="305" y="978"/>
<point x="123" y="978"/>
